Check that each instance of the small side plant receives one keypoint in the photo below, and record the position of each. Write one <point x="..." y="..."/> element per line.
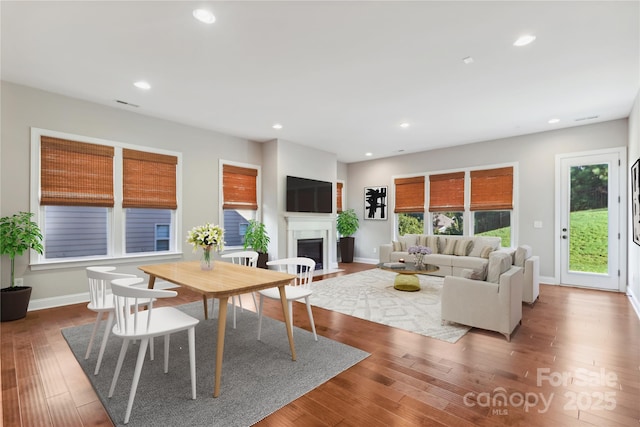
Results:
<point x="18" y="234"/>
<point x="256" y="237"/>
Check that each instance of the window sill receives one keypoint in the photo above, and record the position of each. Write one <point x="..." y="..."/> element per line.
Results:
<point x="86" y="262"/>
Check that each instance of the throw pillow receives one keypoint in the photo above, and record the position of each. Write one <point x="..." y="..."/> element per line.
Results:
<point x="522" y="253"/>
<point x="449" y="247"/>
<point x="463" y="247"/>
<point x="486" y="251"/>
<point x="397" y="247"/>
<point x="474" y="274"/>
<point x="433" y="243"/>
<point x="499" y="262"/>
<point x="407" y="241"/>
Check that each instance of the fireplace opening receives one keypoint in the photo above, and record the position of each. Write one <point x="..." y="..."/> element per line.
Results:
<point x="311" y="248"/>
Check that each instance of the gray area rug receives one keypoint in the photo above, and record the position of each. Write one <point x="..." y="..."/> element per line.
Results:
<point x="370" y="295"/>
<point x="258" y="377"/>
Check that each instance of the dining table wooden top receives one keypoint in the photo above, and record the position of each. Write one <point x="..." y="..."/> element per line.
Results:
<point x="225" y="279"/>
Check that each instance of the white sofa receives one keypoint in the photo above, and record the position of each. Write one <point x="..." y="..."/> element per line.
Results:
<point x="452" y="265"/>
<point x="494" y="304"/>
<point x="451" y="262"/>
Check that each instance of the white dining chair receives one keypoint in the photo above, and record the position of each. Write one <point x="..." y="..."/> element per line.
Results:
<point x="303" y="268"/>
<point x="101" y="302"/>
<point x="248" y="258"/>
<point x="133" y="324"/>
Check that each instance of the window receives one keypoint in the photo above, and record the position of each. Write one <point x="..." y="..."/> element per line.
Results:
<point x="492" y="202"/>
<point x="409" y="205"/>
<point x="446" y="203"/>
<point x="78" y="183"/>
<point x="239" y="200"/>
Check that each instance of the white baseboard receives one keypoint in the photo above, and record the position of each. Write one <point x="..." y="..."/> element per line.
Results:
<point x="367" y="260"/>
<point x="43" y="303"/>
<point x="548" y="280"/>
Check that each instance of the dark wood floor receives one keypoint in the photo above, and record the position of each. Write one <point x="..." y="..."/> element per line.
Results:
<point x="590" y="337"/>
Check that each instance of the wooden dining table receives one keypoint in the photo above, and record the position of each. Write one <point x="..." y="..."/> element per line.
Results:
<point x="223" y="281"/>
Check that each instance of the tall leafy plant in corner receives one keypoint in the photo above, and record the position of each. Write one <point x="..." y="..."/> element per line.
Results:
<point x="347" y="223"/>
<point x="18" y="234"/>
<point x="256" y="237"/>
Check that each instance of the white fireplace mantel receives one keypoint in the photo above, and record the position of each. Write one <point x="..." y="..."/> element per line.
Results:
<point x="313" y="227"/>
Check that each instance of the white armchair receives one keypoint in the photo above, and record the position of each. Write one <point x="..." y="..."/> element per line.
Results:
<point x="495" y="304"/>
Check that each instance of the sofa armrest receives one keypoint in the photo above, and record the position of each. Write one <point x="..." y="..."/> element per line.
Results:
<point x="385" y="252"/>
<point x="511" y="296"/>
<point x="531" y="283"/>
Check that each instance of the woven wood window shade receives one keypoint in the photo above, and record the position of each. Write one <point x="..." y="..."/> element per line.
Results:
<point x="446" y="192"/>
<point x="409" y="194"/>
<point x="239" y="187"/>
<point x="75" y="173"/>
<point x="149" y="180"/>
<point x="492" y="189"/>
<point x="339" y="196"/>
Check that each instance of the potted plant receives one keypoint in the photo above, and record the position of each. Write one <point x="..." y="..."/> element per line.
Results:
<point x="18" y="234"/>
<point x="347" y="225"/>
<point x="256" y="238"/>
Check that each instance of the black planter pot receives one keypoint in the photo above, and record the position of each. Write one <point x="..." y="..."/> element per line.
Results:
<point x="263" y="257"/>
<point x="346" y="249"/>
<point x="14" y="302"/>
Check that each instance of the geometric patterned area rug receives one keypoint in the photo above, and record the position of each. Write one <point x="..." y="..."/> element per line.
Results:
<point x="370" y="295"/>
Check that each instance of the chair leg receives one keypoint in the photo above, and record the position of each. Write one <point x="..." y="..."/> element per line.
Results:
<point x="192" y="360"/>
<point x="260" y="315"/>
<point x="105" y="338"/>
<point x="116" y="373"/>
<point x="313" y="325"/>
<point x="136" y="377"/>
<point x="167" y="338"/>
<point x="93" y="334"/>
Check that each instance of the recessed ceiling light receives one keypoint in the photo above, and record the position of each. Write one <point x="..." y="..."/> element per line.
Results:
<point x="468" y="60"/>
<point x="405" y="125"/>
<point x="368" y="154"/>
<point x="524" y="40"/>
<point x="553" y="121"/>
<point x="142" y="85"/>
<point x="277" y="126"/>
<point x="204" y="15"/>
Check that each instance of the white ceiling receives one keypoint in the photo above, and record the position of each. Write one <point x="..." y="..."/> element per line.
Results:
<point x="339" y="76"/>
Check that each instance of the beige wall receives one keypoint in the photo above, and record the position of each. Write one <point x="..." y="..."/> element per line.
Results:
<point x="24" y="107"/>
<point x="534" y="155"/>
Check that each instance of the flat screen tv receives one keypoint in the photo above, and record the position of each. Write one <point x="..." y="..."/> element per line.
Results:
<point x="309" y="195"/>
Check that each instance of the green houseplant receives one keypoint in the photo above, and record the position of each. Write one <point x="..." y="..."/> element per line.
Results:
<point x="257" y="238"/>
<point x="347" y="225"/>
<point x="18" y="234"/>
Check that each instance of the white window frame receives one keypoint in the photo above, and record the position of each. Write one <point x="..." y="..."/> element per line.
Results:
<point x="115" y="216"/>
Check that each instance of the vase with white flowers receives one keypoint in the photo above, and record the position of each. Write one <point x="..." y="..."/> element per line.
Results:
<point x="210" y="238"/>
<point x="418" y="253"/>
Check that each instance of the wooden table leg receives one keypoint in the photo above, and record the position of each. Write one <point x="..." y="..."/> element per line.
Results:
<point x="152" y="281"/>
<point x="222" y="324"/>
<point x="206" y="307"/>
<point x="285" y="312"/>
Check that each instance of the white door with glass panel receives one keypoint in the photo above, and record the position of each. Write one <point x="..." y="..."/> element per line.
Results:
<point x="590" y="220"/>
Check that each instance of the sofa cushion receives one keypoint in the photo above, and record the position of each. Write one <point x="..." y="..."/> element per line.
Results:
<point x="397" y="246"/>
<point x="438" y="259"/>
<point x="499" y="262"/>
<point x="431" y="242"/>
<point x="449" y="247"/>
<point x="479" y="242"/>
<point x="522" y="253"/>
<point x="486" y="251"/>
<point x="468" y="262"/>
<point x="463" y="247"/>
<point x="408" y="240"/>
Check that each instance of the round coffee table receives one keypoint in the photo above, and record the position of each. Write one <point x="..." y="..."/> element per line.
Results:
<point x="407" y="279"/>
